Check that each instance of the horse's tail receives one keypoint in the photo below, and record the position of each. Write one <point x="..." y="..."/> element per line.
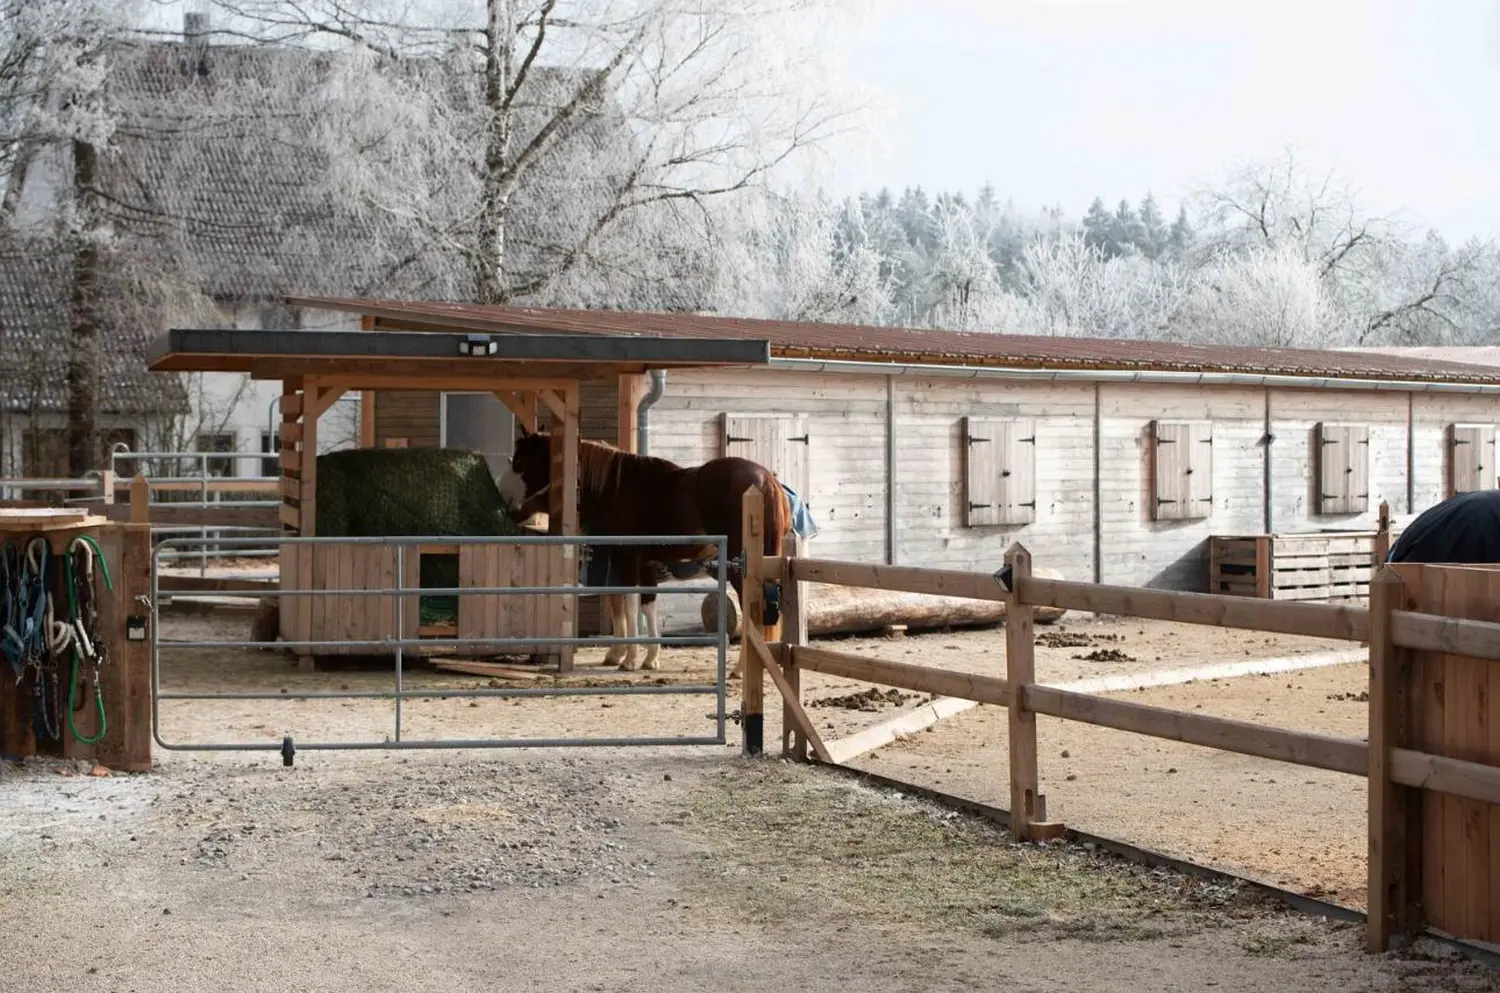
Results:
<point x="778" y="514"/>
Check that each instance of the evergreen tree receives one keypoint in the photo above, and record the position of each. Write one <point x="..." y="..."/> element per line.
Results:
<point x="1181" y="236"/>
<point x="1155" y="228"/>
<point x="1129" y="232"/>
<point x="1099" y="228"/>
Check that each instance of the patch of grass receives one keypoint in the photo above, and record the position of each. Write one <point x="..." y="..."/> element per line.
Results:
<point x="797" y="842"/>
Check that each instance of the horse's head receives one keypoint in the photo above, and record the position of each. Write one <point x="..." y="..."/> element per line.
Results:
<point x="530" y="468"/>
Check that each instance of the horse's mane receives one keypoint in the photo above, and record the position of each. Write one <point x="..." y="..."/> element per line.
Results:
<point x="600" y="465"/>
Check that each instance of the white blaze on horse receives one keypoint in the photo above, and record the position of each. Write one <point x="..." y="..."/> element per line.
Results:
<point x="624" y="494"/>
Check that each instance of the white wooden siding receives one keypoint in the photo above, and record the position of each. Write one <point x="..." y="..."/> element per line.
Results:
<point x="1296" y="415"/>
<point x="930" y="483"/>
<point x="845" y="419"/>
<point x="1137" y="551"/>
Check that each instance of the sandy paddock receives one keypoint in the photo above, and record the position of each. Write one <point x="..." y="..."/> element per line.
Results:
<point x="678" y="869"/>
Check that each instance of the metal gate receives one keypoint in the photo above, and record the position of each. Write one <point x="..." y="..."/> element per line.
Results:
<point x="402" y="640"/>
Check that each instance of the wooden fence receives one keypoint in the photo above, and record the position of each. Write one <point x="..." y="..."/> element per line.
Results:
<point x="1433" y="751"/>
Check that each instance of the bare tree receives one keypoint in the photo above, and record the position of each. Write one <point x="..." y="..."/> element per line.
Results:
<point x="559" y="150"/>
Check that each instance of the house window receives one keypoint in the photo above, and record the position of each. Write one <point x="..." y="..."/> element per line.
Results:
<point x="1182" y="470"/>
<point x="270" y="453"/>
<point x="217" y="441"/>
<point x="478" y="422"/>
<point x="999" y="471"/>
<point x="780" y="442"/>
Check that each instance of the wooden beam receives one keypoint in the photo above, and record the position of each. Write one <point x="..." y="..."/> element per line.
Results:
<point x="1319" y="751"/>
<point x="1445" y="635"/>
<point x="900" y="578"/>
<point x="789" y="697"/>
<point x="140" y="500"/>
<point x="1313" y="620"/>
<point x="562" y="498"/>
<point x="1388" y="887"/>
<point x="553" y="402"/>
<point x="186" y="514"/>
<point x="327" y="397"/>
<point x="1449" y="776"/>
<point x="367" y="419"/>
<point x="308" y="500"/>
<point x="512" y="403"/>
<point x="920" y="678"/>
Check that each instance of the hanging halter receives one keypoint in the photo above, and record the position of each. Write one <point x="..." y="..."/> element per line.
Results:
<point x="83" y="630"/>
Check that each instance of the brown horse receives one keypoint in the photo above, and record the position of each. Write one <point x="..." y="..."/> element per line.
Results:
<point x="623" y="494"/>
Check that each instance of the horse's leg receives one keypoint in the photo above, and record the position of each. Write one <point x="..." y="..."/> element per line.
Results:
<point x="653" y="628"/>
<point x="630" y="575"/>
<point x="613" y="607"/>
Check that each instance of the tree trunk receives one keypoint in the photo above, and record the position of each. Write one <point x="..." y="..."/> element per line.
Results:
<point x="500" y="35"/>
<point x="854" y="610"/>
<point x="84" y="351"/>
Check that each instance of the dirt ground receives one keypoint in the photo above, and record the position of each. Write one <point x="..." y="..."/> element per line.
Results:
<point x="1299" y="828"/>
<point x="662" y="870"/>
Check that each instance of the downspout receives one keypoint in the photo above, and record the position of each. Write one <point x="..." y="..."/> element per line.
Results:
<point x="1411" y="453"/>
<point x="890" y="471"/>
<point x="1268" y="483"/>
<point x="1098" y="483"/>
<point x="642" y="411"/>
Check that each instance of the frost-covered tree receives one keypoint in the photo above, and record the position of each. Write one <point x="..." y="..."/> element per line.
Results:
<point x="563" y="150"/>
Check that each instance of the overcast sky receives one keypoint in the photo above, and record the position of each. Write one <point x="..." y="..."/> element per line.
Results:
<point x="1056" y="101"/>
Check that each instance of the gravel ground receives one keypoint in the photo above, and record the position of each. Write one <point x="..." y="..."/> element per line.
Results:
<point x="661" y="870"/>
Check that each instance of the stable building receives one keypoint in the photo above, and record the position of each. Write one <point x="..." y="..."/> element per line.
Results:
<point x="1113" y="461"/>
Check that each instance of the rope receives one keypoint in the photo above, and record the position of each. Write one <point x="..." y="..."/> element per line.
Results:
<point x="83" y="628"/>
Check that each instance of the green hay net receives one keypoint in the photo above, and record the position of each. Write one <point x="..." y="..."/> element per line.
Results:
<point x="385" y="492"/>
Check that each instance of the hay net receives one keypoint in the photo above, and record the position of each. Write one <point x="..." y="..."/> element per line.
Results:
<point x="390" y="492"/>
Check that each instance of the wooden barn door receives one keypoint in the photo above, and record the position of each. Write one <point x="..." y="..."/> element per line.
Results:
<point x="780" y="442"/>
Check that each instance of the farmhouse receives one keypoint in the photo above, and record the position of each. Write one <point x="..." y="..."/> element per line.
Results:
<point x="1113" y="461"/>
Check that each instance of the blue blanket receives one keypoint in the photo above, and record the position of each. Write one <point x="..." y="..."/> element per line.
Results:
<point x="803" y="525"/>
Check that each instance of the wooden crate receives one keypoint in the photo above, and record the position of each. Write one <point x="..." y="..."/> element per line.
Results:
<point x="1315" y="566"/>
<point x="358" y="618"/>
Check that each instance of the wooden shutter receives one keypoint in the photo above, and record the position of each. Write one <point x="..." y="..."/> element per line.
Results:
<point x="1200" y="483"/>
<point x="1471" y="458"/>
<point x="780" y="442"/>
<point x="1182" y="476"/>
<point x="1343" y="468"/>
<point x="999" y="472"/>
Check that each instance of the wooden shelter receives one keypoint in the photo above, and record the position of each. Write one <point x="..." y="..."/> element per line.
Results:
<point x="537" y="376"/>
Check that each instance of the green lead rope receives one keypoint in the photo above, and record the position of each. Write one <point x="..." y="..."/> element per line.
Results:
<point x="77" y="653"/>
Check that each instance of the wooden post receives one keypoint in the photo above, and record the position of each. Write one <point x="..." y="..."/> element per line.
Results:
<point x="631" y="387"/>
<point x="794" y="635"/>
<point x="1026" y="804"/>
<point x="307" y="517"/>
<point x="1391" y="892"/>
<point x="752" y="611"/>
<point x="562" y="508"/>
<point x="1382" y="538"/>
<point x="367" y="399"/>
<point x="140" y="500"/>
<point x="127" y="676"/>
<point x="107" y="486"/>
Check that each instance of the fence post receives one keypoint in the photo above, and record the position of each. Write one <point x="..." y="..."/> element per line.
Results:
<point x="107" y="486"/>
<point x="793" y="634"/>
<point x="1026" y="803"/>
<point x="1392" y="890"/>
<point x="140" y="500"/>
<point x="752" y="611"/>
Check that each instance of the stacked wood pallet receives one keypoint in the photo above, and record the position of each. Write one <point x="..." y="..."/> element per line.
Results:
<point x="1315" y="566"/>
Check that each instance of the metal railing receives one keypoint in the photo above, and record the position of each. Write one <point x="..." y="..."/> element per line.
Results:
<point x="206" y="487"/>
<point x="401" y="640"/>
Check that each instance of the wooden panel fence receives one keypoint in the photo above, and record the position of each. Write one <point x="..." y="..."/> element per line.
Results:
<point x="1432" y="758"/>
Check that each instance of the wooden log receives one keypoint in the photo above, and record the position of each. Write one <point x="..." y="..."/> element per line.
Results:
<point x="853" y="610"/>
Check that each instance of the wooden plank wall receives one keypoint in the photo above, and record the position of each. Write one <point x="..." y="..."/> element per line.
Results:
<point x="930" y="484"/>
<point x="1173" y="554"/>
<point x="508" y="616"/>
<point x="1294" y="464"/>
<point x="1452" y="709"/>
<point x="846" y="428"/>
<point x="1432" y="413"/>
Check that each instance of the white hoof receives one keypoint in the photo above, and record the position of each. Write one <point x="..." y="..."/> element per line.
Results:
<point x="630" y="664"/>
<point x="652" y="662"/>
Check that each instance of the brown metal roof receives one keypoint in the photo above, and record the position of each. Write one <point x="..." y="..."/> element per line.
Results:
<point x="794" y="339"/>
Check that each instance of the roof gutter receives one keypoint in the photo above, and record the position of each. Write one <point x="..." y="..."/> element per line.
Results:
<point x="851" y="367"/>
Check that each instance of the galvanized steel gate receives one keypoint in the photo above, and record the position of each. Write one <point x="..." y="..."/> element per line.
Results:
<point x="288" y="744"/>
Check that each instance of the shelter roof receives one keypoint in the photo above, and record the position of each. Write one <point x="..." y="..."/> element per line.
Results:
<point x="797" y="339"/>
<point x="358" y="356"/>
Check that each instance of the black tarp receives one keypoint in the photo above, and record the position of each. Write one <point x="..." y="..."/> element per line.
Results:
<point x="1463" y="529"/>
